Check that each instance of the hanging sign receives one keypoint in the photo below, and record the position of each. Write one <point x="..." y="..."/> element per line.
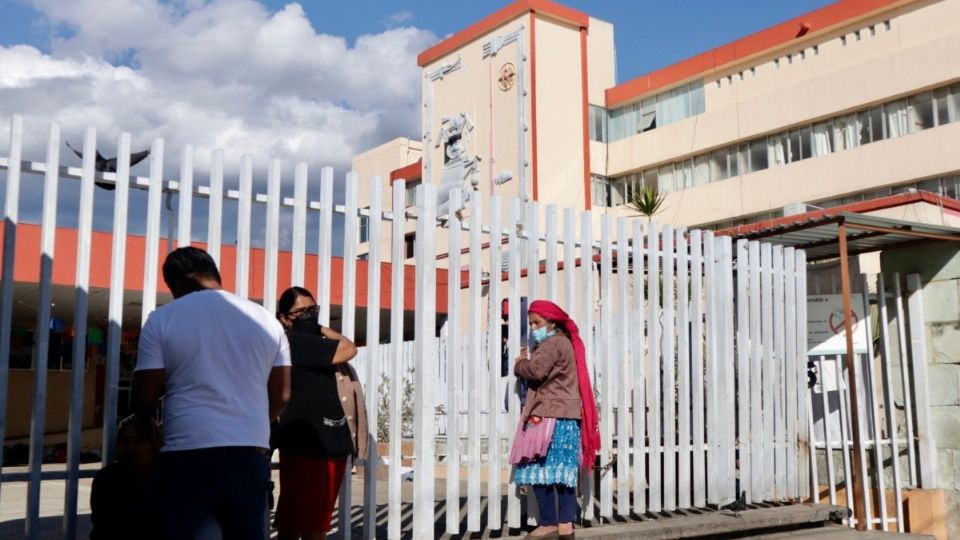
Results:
<point x="826" y="333"/>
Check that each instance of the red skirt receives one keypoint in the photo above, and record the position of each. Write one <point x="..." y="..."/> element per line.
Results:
<point x="308" y="492"/>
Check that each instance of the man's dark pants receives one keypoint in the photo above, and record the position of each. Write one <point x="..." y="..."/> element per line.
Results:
<point x="228" y="483"/>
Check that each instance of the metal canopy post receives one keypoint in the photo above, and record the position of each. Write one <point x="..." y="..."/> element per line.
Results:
<point x="859" y="504"/>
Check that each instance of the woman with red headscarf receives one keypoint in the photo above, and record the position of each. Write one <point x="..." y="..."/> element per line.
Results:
<point x="559" y="388"/>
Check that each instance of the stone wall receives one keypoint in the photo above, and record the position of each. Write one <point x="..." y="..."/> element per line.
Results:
<point x="939" y="267"/>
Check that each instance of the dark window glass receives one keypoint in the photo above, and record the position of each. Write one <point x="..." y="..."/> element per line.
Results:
<point x="718" y="166"/>
<point x="942" y="101"/>
<point x="794" y="153"/>
<point x="876" y="124"/>
<point x="408" y="245"/>
<point x="805" y="134"/>
<point x="758" y="155"/>
<point x="922" y="116"/>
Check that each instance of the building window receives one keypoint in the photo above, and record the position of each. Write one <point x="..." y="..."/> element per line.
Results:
<point x="856" y="35"/>
<point x="409" y="245"/>
<point x="606" y="193"/>
<point x="843" y="40"/>
<point x="894" y="119"/>
<point x="821" y="142"/>
<point x="776" y="63"/>
<point x="922" y="112"/>
<point x="942" y="107"/>
<point x="657" y="111"/>
<point x="816" y="50"/>
<point x="886" y="24"/>
<point x="873" y="30"/>
<point x="410" y="192"/>
<point x="871" y="125"/>
<point x="803" y="55"/>
<point x="364" y="229"/>
<point x="758" y="155"/>
<point x="598" y="123"/>
<point x="789" y="59"/>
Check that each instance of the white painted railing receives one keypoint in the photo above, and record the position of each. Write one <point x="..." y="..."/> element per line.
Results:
<point x="697" y="368"/>
<point x="896" y="450"/>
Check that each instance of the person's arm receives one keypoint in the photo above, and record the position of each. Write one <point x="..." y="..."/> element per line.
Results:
<point x="537" y="366"/>
<point x="346" y="349"/>
<point x="149" y="379"/>
<point x="278" y="390"/>
<point x="148" y="387"/>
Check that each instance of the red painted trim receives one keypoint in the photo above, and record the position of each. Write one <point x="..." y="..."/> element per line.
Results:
<point x="412" y="171"/>
<point x="27" y="267"/>
<point x="533" y="103"/>
<point x="816" y="21"/>
<point x="512" y="11"/>
<point x="584" y="91"/>
<point x="862" y="207"/>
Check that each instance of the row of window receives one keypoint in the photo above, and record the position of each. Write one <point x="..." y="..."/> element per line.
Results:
<point x="948" y="186"/>
<point x="890" y="120"/>
<point x="645" y="115"/>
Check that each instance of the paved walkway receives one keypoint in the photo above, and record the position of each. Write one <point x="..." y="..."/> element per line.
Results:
<point x="679" y="525"/>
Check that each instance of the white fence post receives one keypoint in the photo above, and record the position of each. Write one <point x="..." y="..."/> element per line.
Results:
<point x="513" y="320"/>
<point x="272" y="240"/>
<point x="372" y="395"/>
<point x="494" y="347"/>
<point x="653" y="368"/>
<point x="453" y="366"/>
<point x="348" y="328"/>
<point x="215" y="212"/>
<point x="425" y="315"/>
<point x="11" y="218"/>
<point x="587" y="305"/>
<point x="606" y="351"/>
<point x="82" y="295"/>
<point x="620" y="369"/>
<point x="918" y="357"/>
<point x="185" y="205"/>
<point x="48" y="231"/>
<point x="244" y="206"/>
<point x="118" y="260"/>
<point x="396" y="358"/>
<point x="475" y="358"/>
<point x="151" y="249"/>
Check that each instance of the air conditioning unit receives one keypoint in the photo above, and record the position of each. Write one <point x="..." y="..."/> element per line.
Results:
<point x="794" y="209"/>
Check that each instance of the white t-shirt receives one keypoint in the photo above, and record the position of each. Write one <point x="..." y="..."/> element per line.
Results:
<point x="217" y="351"/>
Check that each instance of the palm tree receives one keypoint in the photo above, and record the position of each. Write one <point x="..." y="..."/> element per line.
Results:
<point x="647" y="201"/>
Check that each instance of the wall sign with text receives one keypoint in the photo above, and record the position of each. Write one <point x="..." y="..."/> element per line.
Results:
<point x="825" y="325"/>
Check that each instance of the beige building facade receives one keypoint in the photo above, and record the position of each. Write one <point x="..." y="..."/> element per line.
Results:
<point x="855" y="101"/>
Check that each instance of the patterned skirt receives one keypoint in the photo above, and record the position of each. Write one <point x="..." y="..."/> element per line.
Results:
<point x="562" y="463"/>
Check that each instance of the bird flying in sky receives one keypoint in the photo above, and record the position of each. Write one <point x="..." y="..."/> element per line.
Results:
<point x="103" y="164"/>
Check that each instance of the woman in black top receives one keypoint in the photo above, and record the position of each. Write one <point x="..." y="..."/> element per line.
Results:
<point x="312" y="435"/>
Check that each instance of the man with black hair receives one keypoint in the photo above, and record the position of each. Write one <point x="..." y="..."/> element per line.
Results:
<point x="222" y="366"/>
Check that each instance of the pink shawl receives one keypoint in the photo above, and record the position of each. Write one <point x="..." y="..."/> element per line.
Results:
<point x="589" y="424"/>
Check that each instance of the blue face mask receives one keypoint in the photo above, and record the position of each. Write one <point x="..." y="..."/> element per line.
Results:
<point x="540" y="334"/>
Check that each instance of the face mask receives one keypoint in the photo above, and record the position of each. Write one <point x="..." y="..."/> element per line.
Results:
<point x="306" y="322"/>
<point x="540" y="334"/>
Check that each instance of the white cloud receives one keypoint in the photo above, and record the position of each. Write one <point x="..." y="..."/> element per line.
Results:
<point x="225" y="73"/>
<point x="400" y="17"/>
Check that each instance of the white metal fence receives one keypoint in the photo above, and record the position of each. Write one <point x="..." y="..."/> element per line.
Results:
<point x="896" y="451"/>
<point x="696" y="344"/>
